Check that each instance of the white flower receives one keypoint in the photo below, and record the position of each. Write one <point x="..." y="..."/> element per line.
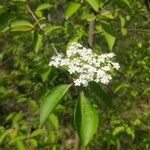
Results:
<point x="110" y="55"/>
<point x="77" y="82"/>
<point x="105" y="80"/>
<point x="86" y="65"/>
<point x="56" y="61"/>
<point x="85" y="83"/>
<point x="106" y="68"/>
<point x="115" y="65"/>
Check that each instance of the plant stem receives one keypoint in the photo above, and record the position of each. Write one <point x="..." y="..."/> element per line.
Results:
<point x="91" y="32"/>
<point x="34" y="17"/>
<point x="76" y="142"/>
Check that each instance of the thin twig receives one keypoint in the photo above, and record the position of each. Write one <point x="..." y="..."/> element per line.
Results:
<point x="138" y="29"/>
<point x="34" y="17"/>
<point x="55" y="49"/>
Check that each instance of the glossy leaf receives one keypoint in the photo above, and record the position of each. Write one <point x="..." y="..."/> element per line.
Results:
<point x="41" y="7"/>
<point x="51" y="100"/>
<point x="49" y="29"/>
<point x="54" y="121"/>
<point x="38" y="39"/>
<point x="85" y="119"/>
<point x="94" y="4"/>
<point x="71" y="9"/>
<point x="19" y="25"/>
<point x="108" y="33"/>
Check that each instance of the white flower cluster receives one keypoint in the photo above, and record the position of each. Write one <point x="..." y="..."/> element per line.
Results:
<point x="86" y="65"/>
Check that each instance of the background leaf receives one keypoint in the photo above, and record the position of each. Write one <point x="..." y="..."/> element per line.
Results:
<point x="38" y="39"/>
<point x="100" y="93"/>
<point x="20" y="145"/>
<point x="126" y="2"/>
<point x="94" y="4"/>
<point x="71" y="9"/>
<point x="117" y="130"/>
<point x="2" y="9"/>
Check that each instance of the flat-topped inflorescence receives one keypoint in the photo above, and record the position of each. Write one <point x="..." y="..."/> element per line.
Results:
<point x="86" y="65"/>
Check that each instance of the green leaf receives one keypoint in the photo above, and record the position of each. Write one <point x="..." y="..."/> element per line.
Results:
<point x="54" y="121"/>
<point x="126" y="2"/>
<point x="44" y="72"/>
<point x="108" y="33"/>
<point x="88" y="16"/>
<point x="128" y="17"/>
<point x="49" y="29"/>
<point x="85" y="119"/>
<point x="41" y="7"/>
<point x="2" y="9"/>
<point x="100" y="93"/>
<point x="117" y="130"/>
<point x="20" y="145"/>
<point x="106" y="14"/>
<point x="71" y="9"/>
<point x="36" y="133"/>
<point x="139" y="44"/>
<point x="146" y="91"/>
<point x="130" y="132"/>
<point x="17" y="138"/>
<point x="94" y="4"/>
<point x="124" y="31"/>
<point x="51" y="100"/>
<point x="33" y="142"/>
<point x="44" y="6"/>
<point x="4" y="134"/>
<point x="137" y="122"/>
<point x="19" y="25"/>
<point x="122" y="21"/>
<point x="38" y="38"/>
<point x="102" y="2"/>
<point x="122" y="86"/>
<point x="122" y="2"/>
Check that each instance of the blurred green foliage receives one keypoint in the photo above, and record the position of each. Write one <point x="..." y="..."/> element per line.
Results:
<point x="30" y="33"/>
